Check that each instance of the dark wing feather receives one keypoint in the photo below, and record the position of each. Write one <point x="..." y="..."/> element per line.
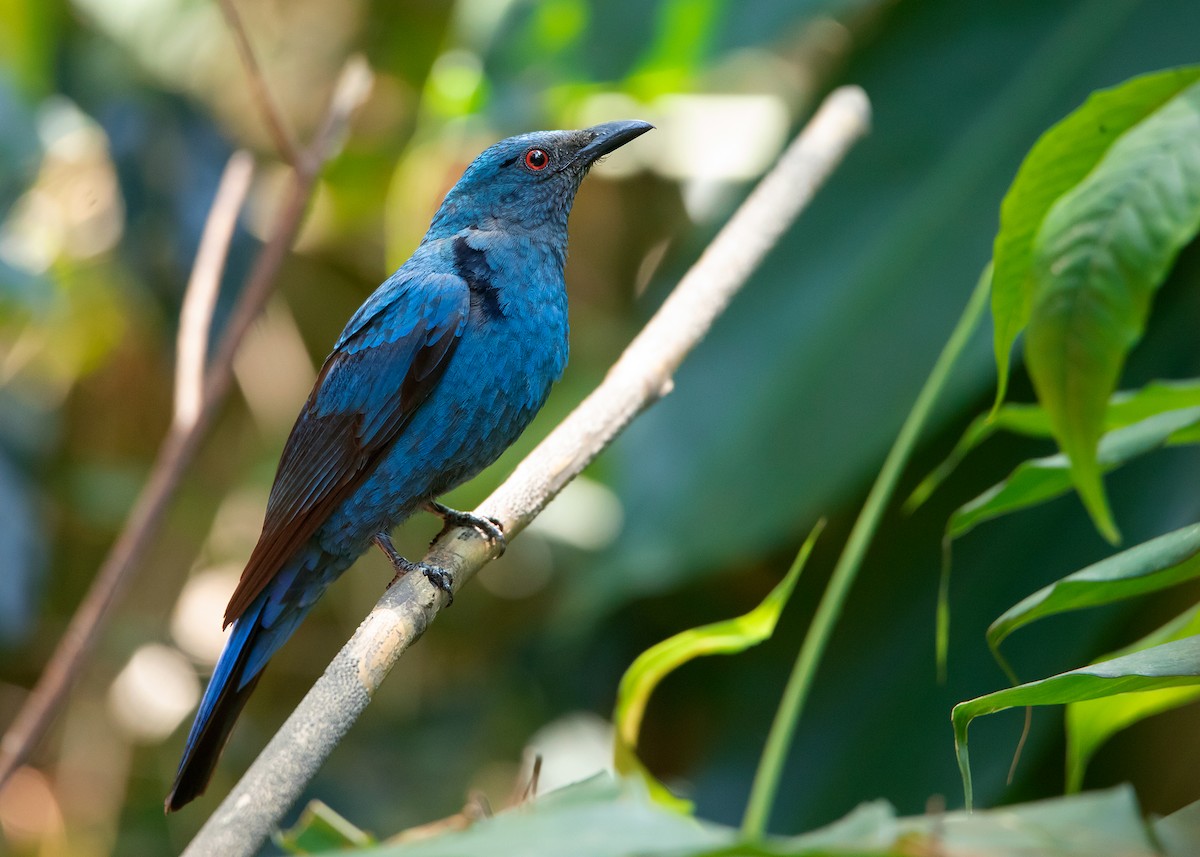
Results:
<point x="391" y="355"/>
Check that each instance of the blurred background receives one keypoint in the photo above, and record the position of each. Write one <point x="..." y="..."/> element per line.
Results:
<point x="116" y="120"/>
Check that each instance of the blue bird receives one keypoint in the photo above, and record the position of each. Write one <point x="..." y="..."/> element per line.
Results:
<point x="434" y="376"/>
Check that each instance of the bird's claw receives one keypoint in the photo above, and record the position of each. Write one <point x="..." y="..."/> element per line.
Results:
<point x="436" y="575"/>
<point x="490" y="528"/>
<point x="440" y="578"/>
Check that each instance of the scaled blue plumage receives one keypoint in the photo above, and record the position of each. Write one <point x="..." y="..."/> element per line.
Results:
<point x="435" y="375"/>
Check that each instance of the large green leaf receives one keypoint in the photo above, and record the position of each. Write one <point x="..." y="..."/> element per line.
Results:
<point x="1098" y="824"/>
<point x="1175" y="664"/>
<point x="1101" y="252"/>
<point x="1124" y="408"/>
<point x="1041" y="479"/>
<point x="1060" y="159"/>
<point x="1093" y="721"/>
<point x="1157" y="564"/>
<point x="601" y="817"/>
<point x="606" y="818"/>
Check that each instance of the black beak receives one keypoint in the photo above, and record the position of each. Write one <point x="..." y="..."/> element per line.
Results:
<point x="609" y="137"/>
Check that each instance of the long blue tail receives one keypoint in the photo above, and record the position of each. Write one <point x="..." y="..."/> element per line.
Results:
<point x="257" y="635"/>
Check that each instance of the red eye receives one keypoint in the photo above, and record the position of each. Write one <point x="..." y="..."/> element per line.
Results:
<point x="536" y="159"/>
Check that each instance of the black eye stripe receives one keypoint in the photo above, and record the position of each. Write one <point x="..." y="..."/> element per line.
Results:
<point x="510" y="161"/>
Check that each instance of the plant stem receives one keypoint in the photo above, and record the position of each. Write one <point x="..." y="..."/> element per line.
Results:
<point x="779" y="740"/>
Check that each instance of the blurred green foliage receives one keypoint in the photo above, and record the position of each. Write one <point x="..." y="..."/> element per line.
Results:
<point x="116" y="119"/>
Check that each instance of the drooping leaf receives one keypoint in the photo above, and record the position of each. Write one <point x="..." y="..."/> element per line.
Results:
<point x="1041" y="479"/>
<point x="1174" y="664"/>
<point x="1157" y="564"/>
<point x="1124" y="408"/>
<point x="719" y="638"/>
<point x="1100" y="254"/>
<point x="1058" y="161"/>
<point x="1092" y="722"/>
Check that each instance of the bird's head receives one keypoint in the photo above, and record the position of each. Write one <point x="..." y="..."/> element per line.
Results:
<point x="529" y="181"/>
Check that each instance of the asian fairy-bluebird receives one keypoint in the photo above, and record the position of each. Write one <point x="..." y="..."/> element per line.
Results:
<point x="435" y="375"/>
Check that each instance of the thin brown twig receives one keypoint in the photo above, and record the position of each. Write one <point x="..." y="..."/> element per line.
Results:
<point x="258" y="86"/>
<point x="642" y="375"/>
<point x="351" y="89"/>
<point x="195" y="316"/>
<point x="181" y="442"/>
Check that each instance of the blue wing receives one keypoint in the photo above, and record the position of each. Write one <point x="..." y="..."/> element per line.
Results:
<point x="391" y="355"/>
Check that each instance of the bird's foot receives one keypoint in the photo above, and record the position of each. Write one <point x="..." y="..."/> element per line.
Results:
<point x="490" y="528"/>
<point x="440" y="578"/>
<point x="436" y="575"/>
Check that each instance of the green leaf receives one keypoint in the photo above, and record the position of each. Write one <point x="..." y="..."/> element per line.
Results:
<point x="1179" y="832"/>
<point x="1058" y="161"/>
<point x="1175" y="664"/>
<point x="870" y="827"/>
<point x="1100" y="254"/>
<point x="1092" y="722"/>
<point x="1157" y="564"/>
<point x="720" y="638"/>
<point x="1124" y="408"/>
<point x="1099" y="824"/>
<point x="1041" y="479"/>
<point x="1028" y="420"/>
<point x="600" y="817"/>
<point x="1130" y="406"/>
<point x="320" y="829"/>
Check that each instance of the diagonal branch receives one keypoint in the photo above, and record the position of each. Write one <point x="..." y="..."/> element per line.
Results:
<point x="642" y="375"/>
<point x="182" y="441"/>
